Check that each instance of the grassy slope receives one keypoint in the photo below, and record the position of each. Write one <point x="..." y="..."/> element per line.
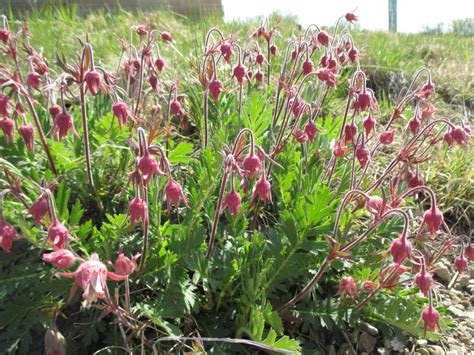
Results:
<point x="388" y="59"/>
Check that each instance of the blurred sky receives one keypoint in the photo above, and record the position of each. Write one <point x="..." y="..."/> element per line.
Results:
<point x="373" y="14"/>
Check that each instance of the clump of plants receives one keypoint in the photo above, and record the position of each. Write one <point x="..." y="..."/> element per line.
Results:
<point x="287" y="217"/>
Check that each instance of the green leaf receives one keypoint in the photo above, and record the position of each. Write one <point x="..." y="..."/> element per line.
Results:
<point x="181" y="153"/>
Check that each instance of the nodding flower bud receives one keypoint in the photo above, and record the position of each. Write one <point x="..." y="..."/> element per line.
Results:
<point x="27" y="132"/>
<point x="166" y="36"/>
<point x="7" y="125"/>
<point x="400" y="249"/>
<point x="310" y="130"/>
<point x="153" y="80"/>
<point x="61" y="258"/>
<point x="427" y="90"/>
<point x="448" y="137"/>
<point x="252" y="165"/>
<point x="141" y="30"/>
<point x="259" y="58"/>
<point x="387" y="136"/>
<point x="347" y="287"/>
<point x="138" y="210"/>
<point x="294" y="54"/>
<point x="433" y="218"/>
<point x="430" y="318"/>
<point x="54" y="342"/>
<point x="362" y="155"/>
<point x="124" y="265"/>
<point x="160" y="64"/>
<point x="175" y="107"/>
<point x="226" y="50"/>
<point x="215" y="88"/>
<point x="415" y="181"/>
<point x="39" y="208"/>
<point x="148" y="166"/>
<point x="259" y="76"/>
<point x="307" y="66"/>
<point x="424" y="281"/>
<point x="350" y="132"/>
<point x="233" y="203"/>
<point x="353" y="54"/>
<point x="62" y="124"/>
<point x="174" y="193"/>
<point x="7" y="235"/>
<point x="54" y="110"/>
<point x="469" y="252"/>
<point x="376" y="206"/>
<point x="369" y="123"/>
<point x="369" y="285"/>
<point x="327" y="75"/>
<point x="414" y="124"/>
<point x="273" y="49"/>
<point x="34" y="80"/>
<point x="350" y="17"/>
<point x="58" y="235"/>
<point x="323" y="38"/>
<point x="239" y="72"/>
<point x="323" y="61"/>
<point x="122" y="112"/>
<point x="92" y="80"/>
<point x="262" y="189"/>
<point x="300" y="136"/>
<point x="4" y="35"/>
<point x="363" y="101"/>
<point x="459" y="135"/>
<point x="461" y="263"/>
<point x="339" y="149"/>
<point x="4" y="105"/>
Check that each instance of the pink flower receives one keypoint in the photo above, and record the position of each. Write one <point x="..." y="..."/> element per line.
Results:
<point x="4" y="105"/>
<point x="353" y="54"/>
<point x="469" y="251"/>
<point x="433" y="218"/>
<point x="54" y="110"/>
<point x="124" y="265"/>
<point x="215" y="88"/>
<point x="7" y="235"/>
<point x="428" y="111"/>
<point x="160" y="64"/>
<point x="387" y="136"/>
<point x="34" y="80"/>
<point x="91" y="277"/>
<point x="274" y="49"/>
<point x="138" y="210"/>
<point x="347" y="287"/>
<point x="327" y="75"/>
<point x="148" y="166"/>
<point x="174" y="193"/>
<point x="61" y="258"/>
<point x="340" y="149"/>
<point x="300" y="136"/>
<point x="226" y="50"/>
<point x="391" y="274"/>
<point x="62" y="124"/>
<point x="376" y="206"/>
<point x="175" y="107"/>
<point x="39" y="208"/>
<point x="142" y="30"/>
<point x="350" y="132"/>
<point x="27" y="132"/>
<point x="424" y="281"/>
<point x="310" y="130"/>
<point x="122" y="112"/>
<point x="414" y="124"/>
<point x="363" y="101"/>
<point x="369" y="123"/>
<point x="7" y="125"/>
<point x="323" y="38"/>
<point x="459" y="135"/>
<point x="259" y="76"/>
<point x="362" y="155"/>
<point x="166" y="36"/>
<point x="350" y="17"/>
<point x="58" y="235"/>
<point x="401" y="249"/>
<point x="262" y="189"/>
<point x="461" y="263"/>
<point x="153" y="80"/>
<point x="233" y="203"/>
<point x="93" y="83"/>
<point x="259" y="58"/>
<point x="239" y="72"/>
<point x="252" y="165"/>
<point x="307" y="67"/>
<point x="430" y="318"/>
<point x="4" y="35"/>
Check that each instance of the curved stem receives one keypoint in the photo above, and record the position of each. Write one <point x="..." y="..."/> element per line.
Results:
<point x="86" y="139"/>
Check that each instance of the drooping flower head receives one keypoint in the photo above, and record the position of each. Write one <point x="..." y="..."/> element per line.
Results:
<point x="124" y="265"/>
<point x="61" y="258"/>
<point x="7" y="235"/>
<point x="174" y="193"/>
<point x="233" y="203"/>
<point x="431" y="319"/>
<point x="58" y="235"/>
<point x="262" y="189"/>
<point x="347" y="287"/>
<point x="138" y="210"/>
<point x="27" y="132"/>
<point x="39" y="208"/>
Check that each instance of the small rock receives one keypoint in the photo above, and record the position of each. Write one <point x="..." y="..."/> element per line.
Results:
<point x="436" y="350"/>
<point x="459" y="350"/>
<point x="383" y="351"/>
<point x="457" y="312"/>
<point x="422" y="343"/>
<point x="366" y="342"/>
<point x="443" y="273"/>
<point x="423" y="352"/>
<point x="462" y="282"/>
<point x="369" y="329"/>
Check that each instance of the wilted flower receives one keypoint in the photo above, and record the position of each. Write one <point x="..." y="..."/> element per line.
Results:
<point x="54" y="342"/>
<point x="347" y="287"/>
<point x="124" y="265"/>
